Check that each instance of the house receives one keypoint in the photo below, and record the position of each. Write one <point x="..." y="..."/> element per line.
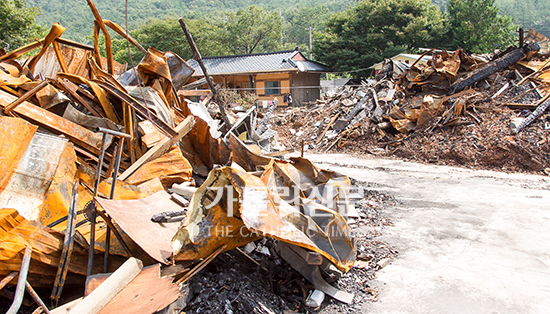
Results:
<point x="268" y="75"/>
<point x="404" y="60"/>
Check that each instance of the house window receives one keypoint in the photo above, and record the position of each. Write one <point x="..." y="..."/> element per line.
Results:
<point x="272" y="88"/>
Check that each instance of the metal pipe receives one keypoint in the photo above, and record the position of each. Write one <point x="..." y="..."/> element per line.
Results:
<point x="112" y="132"/>
<point x="36" y="298"/>
<point x="7" y="279"/>
<point x="107" y="249"/>
<point x="68" y="242"/>
<point x="113" y="185"/>
<point x="21" y="282"/>
<point x="62" y="219"/>
<point x="93" y="215"/>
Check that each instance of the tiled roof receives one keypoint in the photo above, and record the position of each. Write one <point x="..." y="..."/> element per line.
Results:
<point x="258" y="63"/>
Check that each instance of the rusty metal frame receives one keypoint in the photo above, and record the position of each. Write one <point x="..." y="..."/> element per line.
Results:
<point x="67" y="248"/>
<point x="141" y="110"/>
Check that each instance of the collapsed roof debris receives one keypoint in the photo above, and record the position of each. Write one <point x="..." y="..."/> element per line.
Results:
<point x="104" y="169"/>
<point x="456" y="109"/>
<point x="99" y="166"/>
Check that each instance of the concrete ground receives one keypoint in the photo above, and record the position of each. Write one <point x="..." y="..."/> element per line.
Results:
<point x="469" y="241"/>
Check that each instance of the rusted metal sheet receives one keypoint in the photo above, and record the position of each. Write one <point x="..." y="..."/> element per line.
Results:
<point x="200" y="148"/>
<point x="229" y="193"/>
<point x="55" y="32"/>
<point x="161" y="147"/>
<point x="33" y="175"/>
<point x="171" y="167"/>
<point x="74" y="132"/>
<point x="244" y="156"/>
<point x="16" y="136"/>
<point x="210" y="222"/>
<point x="143" y="111"/>
<point x="16" y="233"/>
<point x="98" y="91"/>
<point x="12" y="81"/>
<point x="134" y="217"/>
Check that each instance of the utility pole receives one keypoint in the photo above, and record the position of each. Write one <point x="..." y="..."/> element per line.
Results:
<point x="310" y="41"/>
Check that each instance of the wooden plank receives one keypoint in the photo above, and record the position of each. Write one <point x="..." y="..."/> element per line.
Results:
<point x="161" y="147"/>
<point x="194" y="92"/>
<point x="520" y="106"/>
<point x="280" y="153"/>
<point x="77" y="134"/>
<point x="94" y="302"/>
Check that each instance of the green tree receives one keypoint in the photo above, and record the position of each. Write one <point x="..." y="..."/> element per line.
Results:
<point x="17" y="26"/>
<point x="476" y="25"/>
<point x="376" y="29"/>
<point x="251" y="30"/>
<point x="533" y="14"/>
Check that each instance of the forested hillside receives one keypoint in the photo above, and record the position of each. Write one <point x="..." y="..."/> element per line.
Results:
<point x="76" y="15"/>
<point x="533" y="14"/>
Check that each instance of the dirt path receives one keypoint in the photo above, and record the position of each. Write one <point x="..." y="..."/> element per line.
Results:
<point x="469" y="241"/>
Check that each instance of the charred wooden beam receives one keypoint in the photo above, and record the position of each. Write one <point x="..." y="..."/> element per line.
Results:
<point x="197" y="56"/>
<point x="543" y="104"/>
<point x="493" y="67"/>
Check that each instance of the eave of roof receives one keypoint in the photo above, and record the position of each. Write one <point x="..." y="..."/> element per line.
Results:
<point x="269" y="62"/>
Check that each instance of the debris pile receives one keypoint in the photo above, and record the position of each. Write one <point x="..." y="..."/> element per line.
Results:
<point x="105" y="170"/>
<point x="459" y="109"/>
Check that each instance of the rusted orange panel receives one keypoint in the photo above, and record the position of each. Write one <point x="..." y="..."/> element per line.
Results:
<point x="58" y="196"/>
<point x="55" y="32"/>
<point x="244" y="156"/>
<point x="205" y="230"/>
<point x="26" y="189"/>
<point x="16" y="136"/>
<point x="154" y="63"/>
<point x="16" y="233"/>
<point x="171" y="166"/>
<point x="229" y="193"/>
<point x="12" y="81"/>
<point x="79" y="135"/>
<point x="199" y="144"/>
<point x="12" y="67"/>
